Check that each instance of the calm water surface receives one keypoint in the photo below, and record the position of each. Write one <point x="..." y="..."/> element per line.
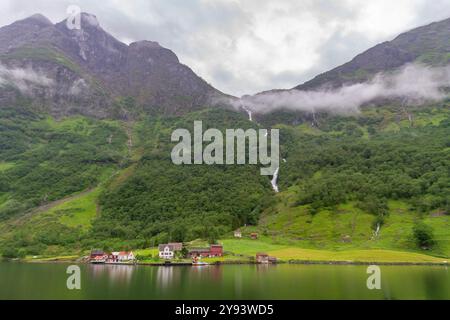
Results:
<point x="48" y="281"/>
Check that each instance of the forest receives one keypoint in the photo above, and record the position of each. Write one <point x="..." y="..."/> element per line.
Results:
<point x="136" y="196"/>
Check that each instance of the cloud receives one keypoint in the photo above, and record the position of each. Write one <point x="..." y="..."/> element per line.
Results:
<point x="23" y="79"/>
<point x="248" y="46"/>
<point x="414" y="84"/>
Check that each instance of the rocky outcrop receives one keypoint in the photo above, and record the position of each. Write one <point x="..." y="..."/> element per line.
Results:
<point x="91" y="73"/>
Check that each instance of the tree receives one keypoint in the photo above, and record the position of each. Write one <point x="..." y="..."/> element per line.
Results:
<point x="374" y="205"/>
<point x="184" y="252"/>
<point x="11" y="253"/>
<point x="423" y="234"/>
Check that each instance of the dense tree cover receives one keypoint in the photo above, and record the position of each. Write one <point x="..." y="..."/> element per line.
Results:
<point x="162" y="201"/>
<point x="50" y="159"/>
<point x="149" y="200"/>
<point x="346" y="163"/>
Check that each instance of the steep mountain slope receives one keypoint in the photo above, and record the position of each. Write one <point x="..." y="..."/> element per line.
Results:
<point x="87" y="71"/>
<point x="69" y="183"/>
<point x="364" y="182"/>
<point x="55" y="199"/>
<point x="428" y="44"/>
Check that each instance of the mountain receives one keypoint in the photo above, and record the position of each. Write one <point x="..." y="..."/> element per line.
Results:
<point x="89" y="72"/>
<point x="76" y="175"/>
<point x="428" y="44"/>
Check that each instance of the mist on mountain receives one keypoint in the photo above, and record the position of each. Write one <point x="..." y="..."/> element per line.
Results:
<point x="414" y="84"/>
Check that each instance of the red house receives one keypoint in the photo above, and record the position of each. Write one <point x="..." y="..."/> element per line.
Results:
<point x="98" y="256"/>
<point x="199" y="252"/>
<point x="215" y="250"/>
<point x="97" y="253"/>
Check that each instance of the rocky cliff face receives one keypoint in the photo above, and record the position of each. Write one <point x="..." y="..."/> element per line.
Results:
<point x="428" y="44"/>
<point x="87" y="71"/>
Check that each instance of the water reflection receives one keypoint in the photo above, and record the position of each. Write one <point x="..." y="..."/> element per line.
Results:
<point x="29" y="281"/>
<point x="119" y="274"/>
<point x="164" y="276"/>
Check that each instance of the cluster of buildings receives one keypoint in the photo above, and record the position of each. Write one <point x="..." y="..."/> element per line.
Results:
<point x="167" y="251"/>
<point x="99" y="256"/>
<point x="238" y="234"/>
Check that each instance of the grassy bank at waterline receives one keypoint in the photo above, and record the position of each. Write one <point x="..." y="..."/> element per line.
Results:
<point x="242" y="251"/>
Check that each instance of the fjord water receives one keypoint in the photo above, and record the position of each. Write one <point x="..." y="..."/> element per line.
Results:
<point x="48" y="281"/>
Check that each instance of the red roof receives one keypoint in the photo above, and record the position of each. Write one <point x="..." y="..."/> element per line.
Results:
<point x="260" y="254"/>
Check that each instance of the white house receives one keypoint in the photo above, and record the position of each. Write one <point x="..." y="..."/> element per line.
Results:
<point x="123" y="256"/>
<point x="166" y="251"/>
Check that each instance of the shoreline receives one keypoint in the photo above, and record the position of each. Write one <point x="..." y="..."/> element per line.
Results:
<point x="237" y="262"/>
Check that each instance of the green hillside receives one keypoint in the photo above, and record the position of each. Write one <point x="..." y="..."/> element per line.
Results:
<point x="353" y="175"/>
<point x="74" y="184"/>
<point x="130" y="194"/>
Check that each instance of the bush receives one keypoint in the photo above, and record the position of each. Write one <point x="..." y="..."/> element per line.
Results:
<point x="423" y="234"/>
<point x="12" y="253"/>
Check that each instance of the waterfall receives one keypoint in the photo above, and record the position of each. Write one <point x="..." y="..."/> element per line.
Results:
<point x="274" y="180"/>
<point x="377" y="231"/>
<point x="249" y="112"/>
<point x="275" y="175"/>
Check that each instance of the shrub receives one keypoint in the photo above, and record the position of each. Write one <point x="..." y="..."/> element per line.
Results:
<point x="423" y="234"/>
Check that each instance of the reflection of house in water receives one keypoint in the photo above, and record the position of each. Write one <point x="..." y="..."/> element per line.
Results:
<point x="238" y="284"/>
<point x="209" y="273"/>
<point x="164" y="276"/>
<point x="216" y="273"/>
<point x="262" y="267"/>
<point x="121" y="274"/>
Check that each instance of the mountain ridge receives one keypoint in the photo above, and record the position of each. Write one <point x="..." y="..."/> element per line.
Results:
<point x="386" y="56"/>
<point x="151" y="75"/>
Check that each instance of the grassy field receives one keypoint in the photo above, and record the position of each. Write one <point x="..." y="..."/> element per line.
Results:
<point x="51" y="259"/>
<point x="78" y="212"/>
<point x="69" y="217"/>
<point x="380" y="256"/>
<point x="347" y="227"/>
<point x="247" y="248"/>
<point x="74" y="212"/>
<point x="345" y="233"/>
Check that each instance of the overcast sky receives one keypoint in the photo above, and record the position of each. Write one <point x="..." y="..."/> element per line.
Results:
<point x="248" y="46"/>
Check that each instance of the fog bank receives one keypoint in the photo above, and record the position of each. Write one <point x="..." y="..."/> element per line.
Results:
<point x="415" y="84"/>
